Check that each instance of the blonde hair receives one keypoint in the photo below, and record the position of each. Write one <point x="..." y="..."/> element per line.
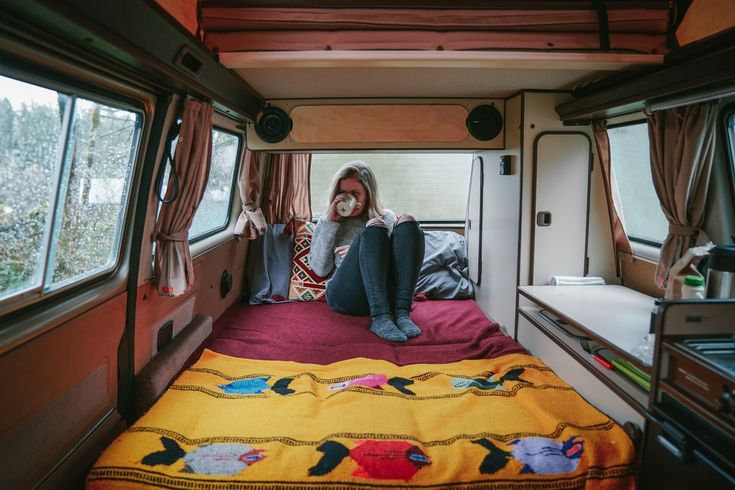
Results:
<point x="363" y="173"/>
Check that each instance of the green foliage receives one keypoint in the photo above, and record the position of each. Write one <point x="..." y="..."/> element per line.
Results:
<point x="93" y="176"/>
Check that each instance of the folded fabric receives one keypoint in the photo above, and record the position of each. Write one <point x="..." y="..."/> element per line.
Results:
<point x="576" y="281"/>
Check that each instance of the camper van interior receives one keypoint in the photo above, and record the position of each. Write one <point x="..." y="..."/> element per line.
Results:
<point x="166" y="176"/>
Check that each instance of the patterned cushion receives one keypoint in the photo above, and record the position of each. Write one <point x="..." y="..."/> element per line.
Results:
<point x="306" y="285"/>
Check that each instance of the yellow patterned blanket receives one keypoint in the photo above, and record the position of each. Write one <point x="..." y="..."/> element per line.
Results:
<point x="229" y="423"/>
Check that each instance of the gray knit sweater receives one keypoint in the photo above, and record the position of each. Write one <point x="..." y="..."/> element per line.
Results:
<point x="331" y="234"/>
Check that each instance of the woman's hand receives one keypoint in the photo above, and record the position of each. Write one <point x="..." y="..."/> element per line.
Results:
<point x="332" y="214"/>
<point x="342" y="250"/>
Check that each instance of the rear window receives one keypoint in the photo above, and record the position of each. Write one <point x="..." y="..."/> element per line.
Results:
<point x="433" y="187"/>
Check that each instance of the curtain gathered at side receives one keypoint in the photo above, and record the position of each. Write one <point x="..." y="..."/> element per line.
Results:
<point x="173" y="266"/>
<point x="278" y="195"/>
<point x="612" y="193"/>
<point x="276" y="188"/>
<point x="251" y="223"/>
<point x="682" y="150"/>
<point x="286" y="186"/>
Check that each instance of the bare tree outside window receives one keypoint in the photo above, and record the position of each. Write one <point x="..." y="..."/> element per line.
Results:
<point x="65" y="169"/>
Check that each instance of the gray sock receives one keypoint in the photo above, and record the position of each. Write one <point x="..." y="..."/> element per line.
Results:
<point x="405" y="325"/>
<point x="383" y="327"/>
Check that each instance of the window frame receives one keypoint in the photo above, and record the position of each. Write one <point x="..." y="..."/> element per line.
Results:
<point x="645" y="245"/>
<point x="233" y="185"/>
<point x="728" y="112"/>
<point x="100" y="89"/>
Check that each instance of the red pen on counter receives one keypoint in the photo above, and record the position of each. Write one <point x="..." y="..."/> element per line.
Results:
<point x="602" y="361"/>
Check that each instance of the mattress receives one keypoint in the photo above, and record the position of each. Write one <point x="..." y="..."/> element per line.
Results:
<point x="233" y="423"/>
<point x="453" y="330"/>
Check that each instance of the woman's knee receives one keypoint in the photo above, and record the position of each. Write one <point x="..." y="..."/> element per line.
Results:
<point x="376" y="222"/>
<point x="405" y="218"/>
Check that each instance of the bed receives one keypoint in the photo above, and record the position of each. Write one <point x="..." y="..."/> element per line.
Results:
<point x="292" y="396"/>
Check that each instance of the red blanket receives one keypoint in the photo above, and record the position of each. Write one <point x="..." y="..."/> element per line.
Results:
<point x="453" y="330"/>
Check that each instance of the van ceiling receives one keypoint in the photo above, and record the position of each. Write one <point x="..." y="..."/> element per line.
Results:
<point x="436" y="49"/>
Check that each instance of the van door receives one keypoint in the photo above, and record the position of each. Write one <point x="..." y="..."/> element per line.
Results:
<point x="562" y="168"/>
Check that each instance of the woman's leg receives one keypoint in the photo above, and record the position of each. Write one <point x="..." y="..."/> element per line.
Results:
<point x="375" y="263"/>
<point x="360" y="285"/>
<point x="408" y="255"/>
<point x="345" y="292"/>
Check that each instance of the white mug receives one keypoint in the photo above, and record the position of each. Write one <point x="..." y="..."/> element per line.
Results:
<point x="345" y="208"/>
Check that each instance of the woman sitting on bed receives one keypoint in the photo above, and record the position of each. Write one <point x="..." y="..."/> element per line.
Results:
<point x="373" y="258"/>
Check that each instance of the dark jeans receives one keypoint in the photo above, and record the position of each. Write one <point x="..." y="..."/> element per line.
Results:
<point x="379" y="273"/>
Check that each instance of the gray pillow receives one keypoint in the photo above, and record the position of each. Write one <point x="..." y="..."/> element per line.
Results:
<point x="445" y="272"/>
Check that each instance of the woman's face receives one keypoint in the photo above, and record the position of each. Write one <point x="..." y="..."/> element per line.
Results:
<point x="351" y="185"/>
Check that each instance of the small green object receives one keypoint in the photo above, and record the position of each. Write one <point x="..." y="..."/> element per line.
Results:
<point x="640" y="377"/>
<point x="694" y="281"/>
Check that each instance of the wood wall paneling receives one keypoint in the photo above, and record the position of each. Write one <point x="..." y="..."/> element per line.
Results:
<point x="378" y="123"/>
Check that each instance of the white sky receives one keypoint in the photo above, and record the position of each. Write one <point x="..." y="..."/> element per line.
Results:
<point x="18" y="93"/>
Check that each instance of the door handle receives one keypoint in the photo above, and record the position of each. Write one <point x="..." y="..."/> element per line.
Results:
<point x="543" y="218"/>
<point x="675" y="442"/>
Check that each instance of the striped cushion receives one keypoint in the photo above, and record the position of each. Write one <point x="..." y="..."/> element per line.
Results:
<point x="305" y="285"/>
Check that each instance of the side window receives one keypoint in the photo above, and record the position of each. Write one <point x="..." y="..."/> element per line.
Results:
<point x="430" y="186"/>
<point x="630" y="156"/>
<point x="65" y="167"/>
<point x="213" y="213"/>
<point x="730" y="124"/>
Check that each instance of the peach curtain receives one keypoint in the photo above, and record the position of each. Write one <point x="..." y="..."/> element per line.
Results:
<point x="617" y="226"/>
<point x="251" y="222"/>
<point x="682" y="150"/>
<point x="173" y="266"/>
<point x="286" y="186"/>
<point x="274" y="188"/>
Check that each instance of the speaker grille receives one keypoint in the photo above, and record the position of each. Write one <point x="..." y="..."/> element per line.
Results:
<point x="273" y="125"/>
<point x="484" y="122"/>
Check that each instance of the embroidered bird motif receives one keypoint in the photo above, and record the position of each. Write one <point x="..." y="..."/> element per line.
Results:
<point x="490" y="383"/>
<point x="256" y="386"/>
<point x="539" y="455"/>
<point x="252" y="386"/>
<point x="545" y="456"/>
<point x="376" y="381"/>
<point x="382" y="460"/>
<point x="210" y="459"/>
<point x="369" y="381"/>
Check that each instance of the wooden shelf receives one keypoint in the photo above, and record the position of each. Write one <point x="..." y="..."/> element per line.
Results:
<point x="633" y="394"/>
<point x="613" y="317"/>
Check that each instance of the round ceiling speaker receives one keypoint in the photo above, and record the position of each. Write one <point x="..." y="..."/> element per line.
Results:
<point x="273" y="125"/>
<point x="484" y="122"/>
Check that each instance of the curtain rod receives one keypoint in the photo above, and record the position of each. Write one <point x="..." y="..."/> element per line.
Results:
<point x="696" y="97"/>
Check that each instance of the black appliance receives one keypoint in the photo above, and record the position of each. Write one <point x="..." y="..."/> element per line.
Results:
<point x="690" y="427"/>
